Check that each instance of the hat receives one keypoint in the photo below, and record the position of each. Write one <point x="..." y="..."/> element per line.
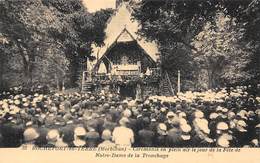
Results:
<point x="17" y="102"/>
<point x="2" y="113"/>
<point x="222" y="126"/>
<point x="26" y="104"/>
<point x="219" y="108"/>
<point x="182" y="114"/>
<point x="222" y="142"/>
<point x="183" y="121"/>
<point x="242" y="114"/>
<point x="185" y="128"/>
<point x="251" y="113"/>
<point x="80" y="131"/>
<point x="170" y="114"/>
<point x="257" y="126"/>
<point x="53" y="135"/>
<point x="30" y="134"/>
<point x="163" y="109"/>
<point x="231" y="115"/>
<point x="202" y="124"/>
<point x="53" y="109"/>
<point x="213" y="115"/>
<point x="30" y="123"/>
<point x="241" y="129"/>
<point x="127" y="113"/>
<point x="125" y="102"/>
<point x="185" y="137"/>
<point x="72" y="110"/>
<point x="198" y="114"/>
<point x="209" y="140"/>
<point x="225" y="110"/>
<point x="106" y="135"/>
<point x="123" y="121"/>
<point x="255" y="142"/>
<point x="162" y="128"/>
<point x="69" y="122"/>
<point x="257" y="111"/>
<point x="241" y="123"/>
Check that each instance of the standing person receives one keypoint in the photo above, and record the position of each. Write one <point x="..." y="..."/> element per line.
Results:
<point x="52" y="138"/>
<point x="146" y="135"/>
<point x="161" y="137"/>
<point x="122" y="135"/>
<point x="185" y="135"/>
<point x="12" y="132"/>
<point x="106" y="136"/>
<point x="30" y="135"/>
<point x="92" y="137"/>
<point x="79" y="137"/>
<point x="60" y="142"/>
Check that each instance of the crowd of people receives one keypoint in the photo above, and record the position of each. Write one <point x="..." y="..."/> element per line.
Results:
<point x="206" y="119"/>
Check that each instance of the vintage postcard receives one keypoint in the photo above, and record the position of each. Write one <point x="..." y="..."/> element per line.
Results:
<point x="129" y="80"/>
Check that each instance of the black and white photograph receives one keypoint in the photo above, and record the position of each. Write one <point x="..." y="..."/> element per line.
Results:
<point x="129" y="73"/>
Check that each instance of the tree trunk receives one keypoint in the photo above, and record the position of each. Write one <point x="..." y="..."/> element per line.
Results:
<point x="1" y="73"/>
<point x="209" y="79"/>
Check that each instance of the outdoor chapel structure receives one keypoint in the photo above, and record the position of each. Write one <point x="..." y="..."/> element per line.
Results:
<point x="126" y="64"/>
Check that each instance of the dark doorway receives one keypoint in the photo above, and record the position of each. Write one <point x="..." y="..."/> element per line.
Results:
<point x="128" y="91"/>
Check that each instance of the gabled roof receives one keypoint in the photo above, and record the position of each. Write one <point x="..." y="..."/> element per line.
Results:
<point x="124" y="36"/>
<point x="121" y="27"/>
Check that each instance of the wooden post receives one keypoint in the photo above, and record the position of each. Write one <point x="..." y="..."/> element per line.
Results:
<point x="57" y="82"/>
<point x="63" y="85"/>
<point x="179" y="81"/>
<point x="83" y="81"/>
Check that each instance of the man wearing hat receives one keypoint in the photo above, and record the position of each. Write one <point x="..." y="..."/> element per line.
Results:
<point x="68" y="131"/>
<point x="153" y="125"/>
<point x="174" y="137"/>
<point x="115" y="113"/>
<point x="201" y="133"/>
<point x="161" y="136"/>
<point x="30" y="135"/>
<point x="145" y="136"/>
<point x="162" y="115"/>
<point x="92" y="137"/>
<point x="106" y="136"/>
<point x="52" y="138"/>
<point x="132" y="122"/>
<point x="12" y="131"/>
<point x="60" y="141"/>
<point x="108" y="123"/>
<point x="172" y="120"/>
<point x="224" y="132"/>
<point x="79" y="137"/>
<point x="122" y="135"/>
<point x="43" y="131"/>
<point x="240" y="133"/>
<point x="185" y="135"/>
<point x="257" y="132"/>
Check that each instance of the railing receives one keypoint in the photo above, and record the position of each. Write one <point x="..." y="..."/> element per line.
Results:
<point x="106" y="78"/>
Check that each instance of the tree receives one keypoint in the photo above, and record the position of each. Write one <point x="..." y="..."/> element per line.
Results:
<point x="174" y="24"/>
<point x="79" y="30"/>
<point x="48" y="40"/>
<point x="26" y="25"/>
<point x="221" y="51"/>
<point x="252" y="22"/>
